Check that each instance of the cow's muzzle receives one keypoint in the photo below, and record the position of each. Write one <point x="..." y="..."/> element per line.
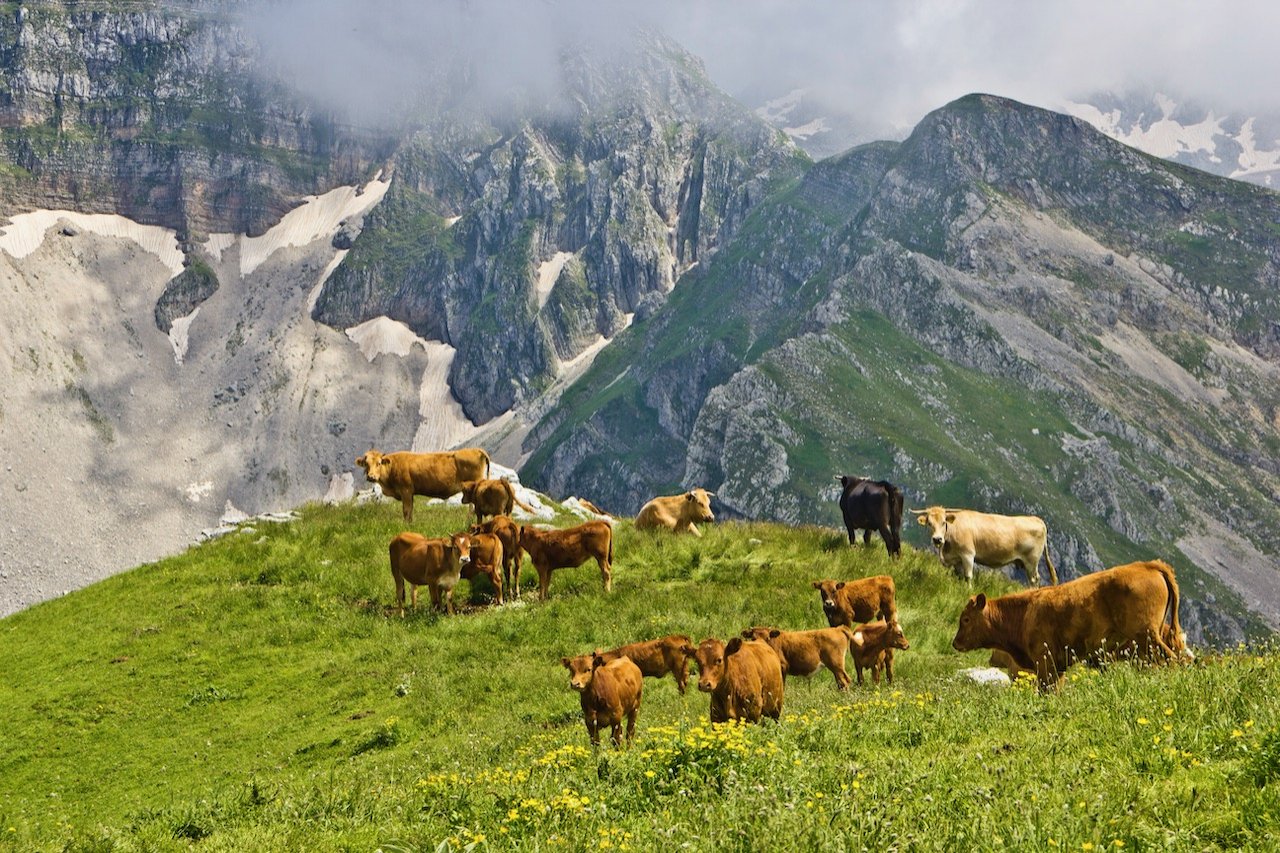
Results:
<point x="938" y="541"/>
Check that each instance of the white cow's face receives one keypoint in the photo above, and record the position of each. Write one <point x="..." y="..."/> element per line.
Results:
<point x="937" y="520"/>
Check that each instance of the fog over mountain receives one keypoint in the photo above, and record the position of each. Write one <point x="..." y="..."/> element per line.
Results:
<point x="887" y="63"/>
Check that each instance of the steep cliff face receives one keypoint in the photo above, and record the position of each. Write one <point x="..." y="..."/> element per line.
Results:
<point x="1011" y="311"/>
<point x="159" y="112"/>
<point x="521" y="243"/>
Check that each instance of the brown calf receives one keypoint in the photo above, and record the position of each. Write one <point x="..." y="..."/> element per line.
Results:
<point x="608" y="692"/>
<point x="851" y="602"/>
<point x="744" y="679"/>
<point x="486" y="559"/>
<point x="656" y="657"/>
<point x="491" y="498"/>
<point x="509" y="532"/>
<point x="568" y="548"/>
<point x="435" y="563"/>
<point x="804" y="652"/>
<point x="873" y="646"/>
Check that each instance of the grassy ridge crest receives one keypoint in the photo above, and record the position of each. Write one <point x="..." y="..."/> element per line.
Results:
<point x="256" y="693"/>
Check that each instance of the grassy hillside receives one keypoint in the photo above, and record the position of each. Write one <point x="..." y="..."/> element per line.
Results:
<point x="256" y="693"/>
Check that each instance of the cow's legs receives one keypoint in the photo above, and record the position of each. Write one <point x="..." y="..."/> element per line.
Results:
<point x="631" y="721"/>
<point x="966" y="566"/>
<point x="400" y="594"/>
<point x="888" y="665"/>
<point x="607" y="574"/>
<point x="593" y="731"/>
<point x="406" y="506"/>
<point x="682" y="675"/>
<point x="1031" y="569"/>
<point x="838" y="670"/>
<point x="857" y="666"/>
<point x="544" y="582"/>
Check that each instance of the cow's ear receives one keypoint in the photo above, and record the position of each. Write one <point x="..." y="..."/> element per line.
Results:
<point x="817" y="584"/>
<point x="951" y="518"/>
<point x="564" y="662"/>
<point x="922" y="521"/>
<point x="840" y="585"/>
<point x="746" y="633"/>
<point x="775" y="633"/>
<point x="688" y="649"/>
<point x="734" y="645"/>
<point x="596" y="660"/>
<point x="980" y="601"/>
<point x="690" y="497"/>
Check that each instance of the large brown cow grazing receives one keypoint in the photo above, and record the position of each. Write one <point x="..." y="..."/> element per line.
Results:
<point x="434" y="475"/>
<point x="608" y="693"/>
<point x="1115" y="611"/>
<point x="567" y="549"/>
<point x="851" y="602"/>
<point x="805" y="652"/>
<point x="656" y="657"/>
<point x="744" y="679"/>
<point x="486" y="559"/>
<point x="964" y="537"/>
<point x="677" y="512"/>
<point x="873" y="645"/>
<point x="509" y="533"/>
<point x="868" y="505"/>
<point x="434" y="563"/>
<point x="490" y="498"/>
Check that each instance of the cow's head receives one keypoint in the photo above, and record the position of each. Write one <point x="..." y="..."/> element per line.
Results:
<point x="697" y="505"/>
<point x="376" y="466"/>
<point x="847" y="482"/>
<point x="974" y="625"/>
<point x="468" y="489"/>
<point x="893" y="636"/>
<point x="761" y="633"/>
<point x="710" y="656"/>
<point x="461" y="543"/>
<point x="937" y="519"/>
<point x="827" y="590"/>
<point x="580" y="669"/>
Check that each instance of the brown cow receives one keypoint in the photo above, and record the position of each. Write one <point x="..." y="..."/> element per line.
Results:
<point x="435" y="475"/>
<point x="744" y="679"/>
<point x="804" y="652"/>
<point x="873" y="646"/>
<point x="567" y="549"/>
<point x="677" y="512"/>
<point x="509" y="532"/>
<point x="486" y="559"/>
<point x="656" y="657"/>
<point x="491" y="498"/>
<point x="435" y="563"/>
<point x="1118" y="610"/>
<point x="608" y="692"/>
<point x="851" y="602"/>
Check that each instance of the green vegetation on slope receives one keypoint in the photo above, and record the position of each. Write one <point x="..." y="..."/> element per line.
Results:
<point x="256" y="693"/>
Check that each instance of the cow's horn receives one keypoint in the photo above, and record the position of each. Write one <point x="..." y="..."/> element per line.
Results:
<point x="916" y="511"/>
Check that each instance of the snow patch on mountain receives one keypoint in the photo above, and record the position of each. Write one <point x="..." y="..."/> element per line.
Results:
<point x="26" y="232"/>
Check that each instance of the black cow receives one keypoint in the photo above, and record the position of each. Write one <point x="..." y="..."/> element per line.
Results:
<point x="872" y="505"/>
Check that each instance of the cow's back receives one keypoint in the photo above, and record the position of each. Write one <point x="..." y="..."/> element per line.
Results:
<point x="615" y="690"/>
<point x="659" y="512"/>
<point x="1103" y="610"/>
<point x="470" y="463"/>
<point x="753" y="675"/>
<point x="1000" y="534"/>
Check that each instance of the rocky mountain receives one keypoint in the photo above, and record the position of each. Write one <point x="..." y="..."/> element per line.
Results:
<point x="215" y="291"/>
<point x="1008" y="309"/>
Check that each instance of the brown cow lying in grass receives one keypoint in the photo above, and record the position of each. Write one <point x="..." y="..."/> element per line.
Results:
<point x="486" y="559"/>
<point x="434" y="563"/>
<point x="804" y="652"/>
<point x="508" y="532"/>
<point x="872" y="648"/>
<point x="567" y="549"/>
<point x="851" y="602"/>
<point x="656" y="657"/>
<point x="491" y="498"/>
<point x="744" y="679"/>
<point x="1117" y="611"/>
<point x="435" y="475"/>
<point x="608" y="693"/>
<point x="677" y="512"/>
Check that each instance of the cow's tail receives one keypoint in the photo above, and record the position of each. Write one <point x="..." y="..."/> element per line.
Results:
<point x="1176" y="646"/>
<point x="1053" y="573"/>
<point x="485" y="455"/>
<point x="511" y="493"/>
<point x="848" y="632"/>
<point x="611" y="545"/>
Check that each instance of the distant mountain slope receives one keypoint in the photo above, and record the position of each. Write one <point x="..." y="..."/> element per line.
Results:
<point x="1006" y="310"/>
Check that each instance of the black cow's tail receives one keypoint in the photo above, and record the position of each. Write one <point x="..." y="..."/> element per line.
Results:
<point x="895" y="516"/>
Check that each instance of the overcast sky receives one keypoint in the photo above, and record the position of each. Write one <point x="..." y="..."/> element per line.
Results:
<point x="890" y="60"/>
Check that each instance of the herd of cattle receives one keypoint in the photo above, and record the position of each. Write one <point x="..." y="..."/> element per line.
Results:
<point x="1129" y="610"/>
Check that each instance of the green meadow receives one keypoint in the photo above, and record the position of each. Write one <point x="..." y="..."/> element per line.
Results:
<point x="258" y="692"/>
